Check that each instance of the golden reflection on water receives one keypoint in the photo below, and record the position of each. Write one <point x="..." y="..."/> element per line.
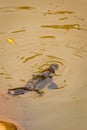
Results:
<point x="65" y="26"/>
<point x="11" y="9"/>
<point x="31" y="57"/>
<point x="7" y="126"/>
<point x="25" y="7"/>
<point x="22" y="80"/>
<point x="11" y="41"/>
<point x="58" y="12"/>
<point x="47" y="37"/>
<point x="63" y="18"/>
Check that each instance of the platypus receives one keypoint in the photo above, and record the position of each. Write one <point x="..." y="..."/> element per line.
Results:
<point x="37" y="82"/>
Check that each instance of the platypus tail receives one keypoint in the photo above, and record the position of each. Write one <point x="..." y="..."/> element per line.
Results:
<point x="17" y="91"/>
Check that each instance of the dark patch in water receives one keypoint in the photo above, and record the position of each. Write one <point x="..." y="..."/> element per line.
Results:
<point x="58" y="12"/>
<point x="25" y="7"/>
<point x="63" y="18"/>
<point x="22" y="58"/>
<point x="57" y="6"/>
<point x="2" y="48"/>
<point x="22" y="80"/>
<point x="78" y="55"/>
<point x="18" y="31"/>
<point x="65" y="26"/>
<point x="8" y="126"/>
<point x="47" y="37"/>
<point x="12" y="9"/>
<point x="2" y="68"/>
<point x="1" y="73"/>
<point x="8" y="78"/>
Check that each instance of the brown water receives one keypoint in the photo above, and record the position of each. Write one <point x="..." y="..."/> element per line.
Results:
<point x="7" y="126"/>
<point x="34" y="34"/>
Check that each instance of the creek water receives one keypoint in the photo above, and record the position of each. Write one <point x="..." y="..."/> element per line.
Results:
<point x="34" y="34"/>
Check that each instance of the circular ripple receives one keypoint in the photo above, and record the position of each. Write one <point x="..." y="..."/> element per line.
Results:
<point x="52" y="60"/>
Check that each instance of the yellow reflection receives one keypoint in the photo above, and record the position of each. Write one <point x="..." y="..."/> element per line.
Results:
<point x="47" y="37"/>
<point x="11" y="41"/>
<point x="2" y="127"/>
<point x="65" y="26"/>
<point x="7" y="126"/>
<point x="59" y="12"/>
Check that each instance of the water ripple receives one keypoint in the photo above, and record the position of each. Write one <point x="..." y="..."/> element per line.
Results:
<point x="50" y="60"/>
<point x="18" y="31"/>
<point x="48" y="37"/>
<point x="31" y="57"/>
<point x="58" y="12"/>
<point x="11" y="9"/>
<point x="65" y="26"/>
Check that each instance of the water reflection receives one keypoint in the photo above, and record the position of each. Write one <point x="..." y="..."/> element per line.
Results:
<point x="31" y="57"/>
<point x="12" y="9"/>
<point x="8" y="78"/>
<point x="78" y="55"/>
<point x="63" y="18"/>
<point x="58" y="12"/>
<point x="48" y="37"/>
<point x="25" y="7"/>
<point x="22" y="80"/>
<point x="65" y="26"/>
<point x="11" y="41"/>
<point x="18" y="31"/>
<point x="77" y="49"/>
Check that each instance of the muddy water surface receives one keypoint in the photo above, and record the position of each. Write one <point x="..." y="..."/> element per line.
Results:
<point x="34" y="34"/>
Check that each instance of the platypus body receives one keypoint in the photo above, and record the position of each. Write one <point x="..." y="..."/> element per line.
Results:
<point x="37" y="82"/>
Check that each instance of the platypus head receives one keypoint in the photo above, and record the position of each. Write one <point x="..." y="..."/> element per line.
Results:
<point x="53" y="67"/>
